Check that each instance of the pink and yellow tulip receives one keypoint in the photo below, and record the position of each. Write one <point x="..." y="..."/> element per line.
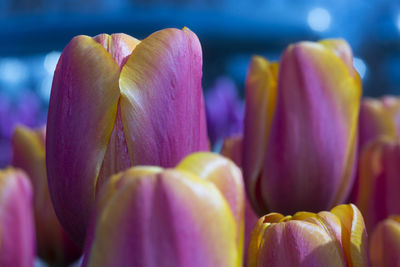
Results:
<point x="335" y="238"/>
<point x="191" y="215"/>
<point x="385" y="243"/>
<point x="378" y="117"/>
<point x="378" y="181"/>
<point x="17" y="230"/>
<point x="301" y="119"/>
<point x="118" y="102"/>
<point x="53" y="244"/>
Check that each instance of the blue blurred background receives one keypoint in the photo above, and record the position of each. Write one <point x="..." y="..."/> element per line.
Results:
<point x="34" y="32"/>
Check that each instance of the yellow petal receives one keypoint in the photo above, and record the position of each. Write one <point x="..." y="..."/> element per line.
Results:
<point x="226" y="176"/>
<point x="260" y="106"/>
<point x="257" y="235"/>
<point x="354" y="235"/>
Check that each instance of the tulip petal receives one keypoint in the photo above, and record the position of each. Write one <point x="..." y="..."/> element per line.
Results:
<point x="369" y="173"/>
<point x="298" y="243"/>
<point x="385" y="243"/>
<point x="17" y="234"/>
<point x="29" y="154"/>
<point x="309" y="163"/>
<point x="257" y="235"/>
<point x="116" y="159"/>
<point x="392" y="104"/>
<point x="378" y="181"/>
<point x="227" y="177"/>
<point x="113" y="184"/>
<point x="332" y="225"/>
<point x="53" y="244"/>
<point x="336" y="238"/>
<point x="375" y="120"/>
<point x="250" y="221"/>
<point x="78" y="132"/>
<point x="162" y="80"/>
<point x="118" y="45"/>
<point x="354" y="235"/>
<point x="118" y="180"/>
<point x="223" y="173"/>
<point x="378" y="118"/>
<point x="341" y="49"/>
<point x="259" y="110"/>
<point x="164" y="220"/>
<point x="232" y="148"/>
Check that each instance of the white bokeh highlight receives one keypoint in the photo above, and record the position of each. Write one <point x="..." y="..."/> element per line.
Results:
<point x="319" y="19"/>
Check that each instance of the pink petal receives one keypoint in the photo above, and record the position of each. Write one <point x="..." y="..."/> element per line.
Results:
<point x="162" y="102"/>
<point x="16" y="219"/>
<point x="82" y="111"/>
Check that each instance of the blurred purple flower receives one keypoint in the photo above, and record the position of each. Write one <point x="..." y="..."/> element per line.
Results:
<point x="7" y="116"/>
<point x="26" y="110"/>
<point x="30" y="110"/>
<point x="224" y="110"/>
<point x="5" y="152"/>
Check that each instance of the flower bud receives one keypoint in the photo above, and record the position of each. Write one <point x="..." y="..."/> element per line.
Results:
<point x="117" y="102"/>
<point x="335" y="238"/>
<point x="299" y="145"/>
<point x="187" y="216"/>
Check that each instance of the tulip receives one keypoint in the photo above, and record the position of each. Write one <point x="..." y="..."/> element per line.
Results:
<point x="17" y="239"/>
<point x="53" y="244"/>
<point x="300" y="128"/>
<point x="224" y="110"/>
<point x="385" y="243"/>
<point x="335" y="238"/>
<point x="117" y="102"/>
<point x="379" y="181"/>
<point x="232" y="149"/>
<point x="378" y="117"/>
<point x="191" y="215"/>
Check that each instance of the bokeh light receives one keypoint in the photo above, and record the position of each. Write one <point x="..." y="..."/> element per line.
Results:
<point x="319" y="19"/>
